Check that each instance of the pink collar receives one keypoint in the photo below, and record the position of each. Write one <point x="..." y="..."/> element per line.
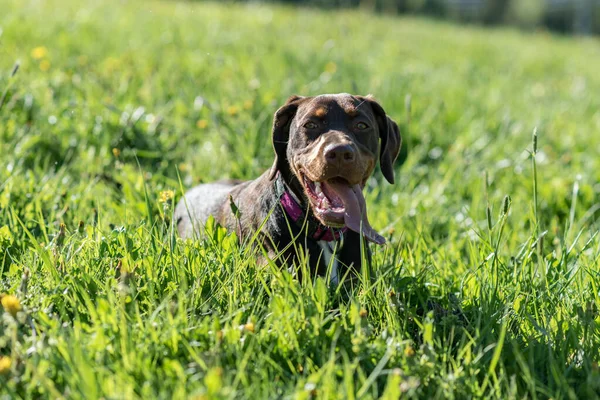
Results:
<point x="295" y="211"/>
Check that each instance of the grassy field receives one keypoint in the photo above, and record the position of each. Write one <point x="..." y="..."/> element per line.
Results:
<point x="475" y="295"/>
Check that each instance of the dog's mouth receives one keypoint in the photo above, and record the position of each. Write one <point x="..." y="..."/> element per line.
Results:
<point x="325" y="201"/>
<point x="337" y="203"/>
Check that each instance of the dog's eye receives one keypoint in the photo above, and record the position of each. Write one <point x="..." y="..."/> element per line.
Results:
<point x="362" y="126"/>
<point x="310" y="125"/>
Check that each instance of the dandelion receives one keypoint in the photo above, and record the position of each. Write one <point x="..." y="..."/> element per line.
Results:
<point x="116" y="152"/>
<point x="11" y="304"/>
<point x="409" y="351"/>
<point x="184" y="167"/>
<point x="39" y="52"/>
<point x="363" y="313"/>
<point x="45" y="65"/>
<point x="331" y="67"/>
<point x="5" y="364"/>
<point x="166" y="195"/>
<point x="202" y="123"/>
<point x="232" y="110"/>
<point x="249" y="327"/>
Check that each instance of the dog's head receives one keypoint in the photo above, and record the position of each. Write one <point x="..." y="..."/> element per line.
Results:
<point x="327" y="146"/>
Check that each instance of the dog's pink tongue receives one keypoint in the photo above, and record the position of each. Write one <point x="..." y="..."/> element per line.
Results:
<point x="356" y="211"/>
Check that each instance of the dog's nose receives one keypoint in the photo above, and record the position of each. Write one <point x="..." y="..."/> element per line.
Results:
<point x="340" y="154"/>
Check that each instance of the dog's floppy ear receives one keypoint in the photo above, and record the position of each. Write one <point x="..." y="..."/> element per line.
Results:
<point x="390" y="139"/>
<point x="281" y="132"/>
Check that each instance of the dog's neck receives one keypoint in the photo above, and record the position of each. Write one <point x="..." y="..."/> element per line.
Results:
<point x="292" y="185"/>
<point x="299" y="212"/>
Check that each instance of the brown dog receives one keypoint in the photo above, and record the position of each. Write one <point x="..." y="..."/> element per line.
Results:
<point x="326" y="147"/>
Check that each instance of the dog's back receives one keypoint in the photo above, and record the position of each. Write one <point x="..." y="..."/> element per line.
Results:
<point x="193" y="211"/>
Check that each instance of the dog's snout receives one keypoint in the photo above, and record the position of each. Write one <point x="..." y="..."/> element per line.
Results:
<point x="340" y="154"/>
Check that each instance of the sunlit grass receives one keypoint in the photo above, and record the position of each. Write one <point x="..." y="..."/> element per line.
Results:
<point x="488" y="286"/>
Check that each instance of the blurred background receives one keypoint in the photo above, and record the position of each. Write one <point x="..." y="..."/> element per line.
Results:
<point x="110" y="110"/>
<point x="567" y="16"/>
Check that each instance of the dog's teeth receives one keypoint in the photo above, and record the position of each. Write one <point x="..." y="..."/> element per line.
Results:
<point x="318" y="188"/>
<point x="324" y="202"/>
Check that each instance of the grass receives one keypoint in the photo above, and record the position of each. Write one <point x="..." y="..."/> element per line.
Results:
<point x="489" y="286"/>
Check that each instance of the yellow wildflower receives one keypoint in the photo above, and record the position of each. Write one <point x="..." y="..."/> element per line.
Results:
<point x="5" y="363"/>
<point x="232" y="110"/>
<point x="45" y="65"/>
<point x="363" y="313"/>
<point x="249" y="327"/>
<point x="183" y="167"/>
<point x="248" y="104"/>
<point x="409" y="351"/>
<point x="202" y="123"/>
<point x="166" y="195"/>
<point x="116" y="152"/>
<point x="11" y="304"/>
<point x="331" y="67"/>
<point x="39" y="52"/>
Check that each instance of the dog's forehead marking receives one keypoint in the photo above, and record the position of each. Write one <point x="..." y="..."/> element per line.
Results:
<point x="351" y="110"/>
<point x="321" y="112"/>
<point x="350" y="104"/>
